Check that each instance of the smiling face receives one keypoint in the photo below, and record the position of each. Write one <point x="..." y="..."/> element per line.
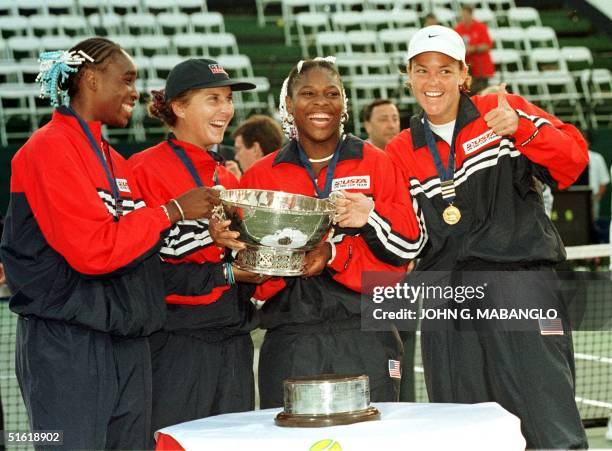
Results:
<point x="116" y="92"/>
<point x="204" y="117"/>
<point x="316" y="103"/>
<point x="435" y="79"/>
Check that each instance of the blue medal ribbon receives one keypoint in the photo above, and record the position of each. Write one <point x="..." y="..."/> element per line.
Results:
<point x="100" y="154"/>
<point x="331" y="168"/>
<point x="182" y="155"/>
<point x="447" y="174"/>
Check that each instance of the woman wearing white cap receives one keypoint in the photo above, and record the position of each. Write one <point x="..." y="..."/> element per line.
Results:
<point x="470" y="165"/>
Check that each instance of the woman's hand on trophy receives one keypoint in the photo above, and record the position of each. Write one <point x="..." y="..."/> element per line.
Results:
<point x="222" y="236"/>
<point x="240" y="275"/>
<point x="316" y="260"/>
<point x="353" y="209"/>
<point x="194" y="204"/>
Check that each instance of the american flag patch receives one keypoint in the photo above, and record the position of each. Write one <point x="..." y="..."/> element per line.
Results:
<point x="216" y="69"/>
<point x="550" y="326"/>
<point x="395" y="369"/>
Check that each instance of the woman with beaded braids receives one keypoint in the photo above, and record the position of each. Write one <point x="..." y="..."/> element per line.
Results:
<point x="204" y="348"/>
<point x="313" y="322"/>
<point x="80" y="252"/>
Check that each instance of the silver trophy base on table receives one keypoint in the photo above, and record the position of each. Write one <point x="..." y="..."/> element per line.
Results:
<point x="278" y="228"/>
<point x="326" y="400"/>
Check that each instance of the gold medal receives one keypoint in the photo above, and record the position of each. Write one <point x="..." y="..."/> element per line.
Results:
<point x="451" y="215"/>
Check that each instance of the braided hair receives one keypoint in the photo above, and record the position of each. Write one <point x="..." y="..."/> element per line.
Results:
<point x="61" y="70"/>
<point x="302" y="67"/>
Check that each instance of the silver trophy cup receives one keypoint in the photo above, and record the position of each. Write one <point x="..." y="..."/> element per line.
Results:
<point x="278" y="228"/>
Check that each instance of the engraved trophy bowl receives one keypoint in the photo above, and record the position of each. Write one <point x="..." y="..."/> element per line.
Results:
<point x="326" y="400"/>
<point x="278" y="228"/>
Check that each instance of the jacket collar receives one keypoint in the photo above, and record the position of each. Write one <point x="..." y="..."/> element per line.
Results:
<point x="63" y="115"/>
<point x="351" y="149"/>
<point x="466" y="114"/>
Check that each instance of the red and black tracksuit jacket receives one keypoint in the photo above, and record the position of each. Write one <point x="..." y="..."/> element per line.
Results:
<point x="502" y="215"/>
<point x="68" y="254"/>
<point x="197" y="294"/>
<point x="393" y="235"/>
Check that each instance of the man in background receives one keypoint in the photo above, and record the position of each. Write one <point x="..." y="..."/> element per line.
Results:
<point x="381" y="121"/>
<point x="256" y="137"/>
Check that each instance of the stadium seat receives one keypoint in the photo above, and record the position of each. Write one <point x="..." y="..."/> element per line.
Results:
<point x="142" y="23"/>
<point x="43" y="25"/>
<point x="173" y="23"/>
<point x="445" y="16"/>
<point x="13" y="26"/>
<point x="239" y="66"/>
<point x="378" y="20"/>
<point x="220" y="43"/>
<point x="362" y="90"/>
<point x="524" y="17"/>
<point x="358" y="64"/>
<point x="508" y="38"/>
<point x="124" y="6"/>
<point x="547" y="59"/>
<point x="348" y="20"/>
<point x="150" y="45"/>
<point x="87" y="7"/>
<point x="190" y="44"/>
<point x="536" y="36"/>
<point x="363" y="41"/>
<point x="161" y="65"/>
<point x="261" y="10"/>
<point x="331" y="42"/>
<point x="207" y="22"/>
<point x="290" y="9"/>
<point x="404" y="18"/>
<point x="159" y="6"/>
<point x="20" y="47"/>
<point x="308" y="25"/>
<point x="507" y="60"/>
<point x="62" y="7"/>
<point x="191" y="6"/>
<point x="104" y="24"/>
<point x="73" y="25"/>
<point x="29" y="7"/>
<point x="51" y="43"/>
<point x="486" y="16"/>
<point x="597" y="83"/>
<point x="258" y="100"/>
<point x="395" y="43"/>
<point x="17" y="101"/>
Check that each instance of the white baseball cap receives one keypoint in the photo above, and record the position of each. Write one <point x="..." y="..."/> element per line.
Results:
<point x="437" y="38"/>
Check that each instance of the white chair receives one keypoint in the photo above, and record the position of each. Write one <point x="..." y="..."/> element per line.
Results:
<point x="104" y="24"/>
<point x="395" y="43"/>
<point x="10" y="71"/>
<point x="173" y="23"/>
<point x="405" y="18"/>
<point x="127" y="42"/>
<point x="20" y="47"/>
<point x="17" y="102"/>
<point x="419" y="6"/>
<point x="143" y="65"/>
<point x="159" y="6"/>
<point x="523" y="17"/>
<point x="73" y="25"/>
<point x="290" y="8"/>
<point x="207" y="22"/>
<point x="363" y="41"/>
<point x="8" y="8"/>
<point x="331" y="42"/>
<point x="258" y="100"/>
<point x="445" y="16"/>
<point x="507" y="60"/>
<point x="577" y="55"/>
<point x="358" y="64"/>
<point x="190" y="44"/>
<point x="346" y="5"/>
<point x="565" y="99"/>
<point x="308" y="25"/>
<point x="486" y="16"/>
<point x="149" y="45"/>
<point x="447" y="4"/>
<point x="161" y="65"/>
<point x="124" y="6"/>
<point x="500" y="8"/>
<point x="13" y="26"/>
<point x="191" y="6"/>
<point x="62" y="7"/>
<point x="220" y="43"/>
<point x="261" y="11"/>
<point x="547" y="59"/>
<point x="508" y="38"/>
<point x="364" y="89"/>
<point x="142" y="23"/>
<point x="536" y="36"/>
<point x="528" y="84"/>
<point x="29" y="69"/>
<point x="238" y="65"/>
<point x="598" y="84"/>
<point x="42" y="25"/>
<point x="29" y="7"/>
<point x="377" y="20"/>
<point x="87" y="7"/>
<point x="51" y="43"/>
<point x="348" y="20"/>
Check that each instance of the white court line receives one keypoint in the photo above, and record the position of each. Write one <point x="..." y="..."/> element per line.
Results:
<point x="594" y="358"/>
<point x="592" y="402"/>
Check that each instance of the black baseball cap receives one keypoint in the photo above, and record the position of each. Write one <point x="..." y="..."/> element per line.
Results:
<point x="198" y="73"/>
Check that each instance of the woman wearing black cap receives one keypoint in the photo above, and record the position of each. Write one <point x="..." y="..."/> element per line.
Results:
<point x="202" y="359"/>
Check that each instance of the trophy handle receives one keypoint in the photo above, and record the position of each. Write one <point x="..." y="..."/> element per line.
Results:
<point x="333" y="197"/>
<point x="218" y="213"/>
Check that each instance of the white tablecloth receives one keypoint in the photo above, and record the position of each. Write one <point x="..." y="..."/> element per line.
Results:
<point x="485" y="426"/>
